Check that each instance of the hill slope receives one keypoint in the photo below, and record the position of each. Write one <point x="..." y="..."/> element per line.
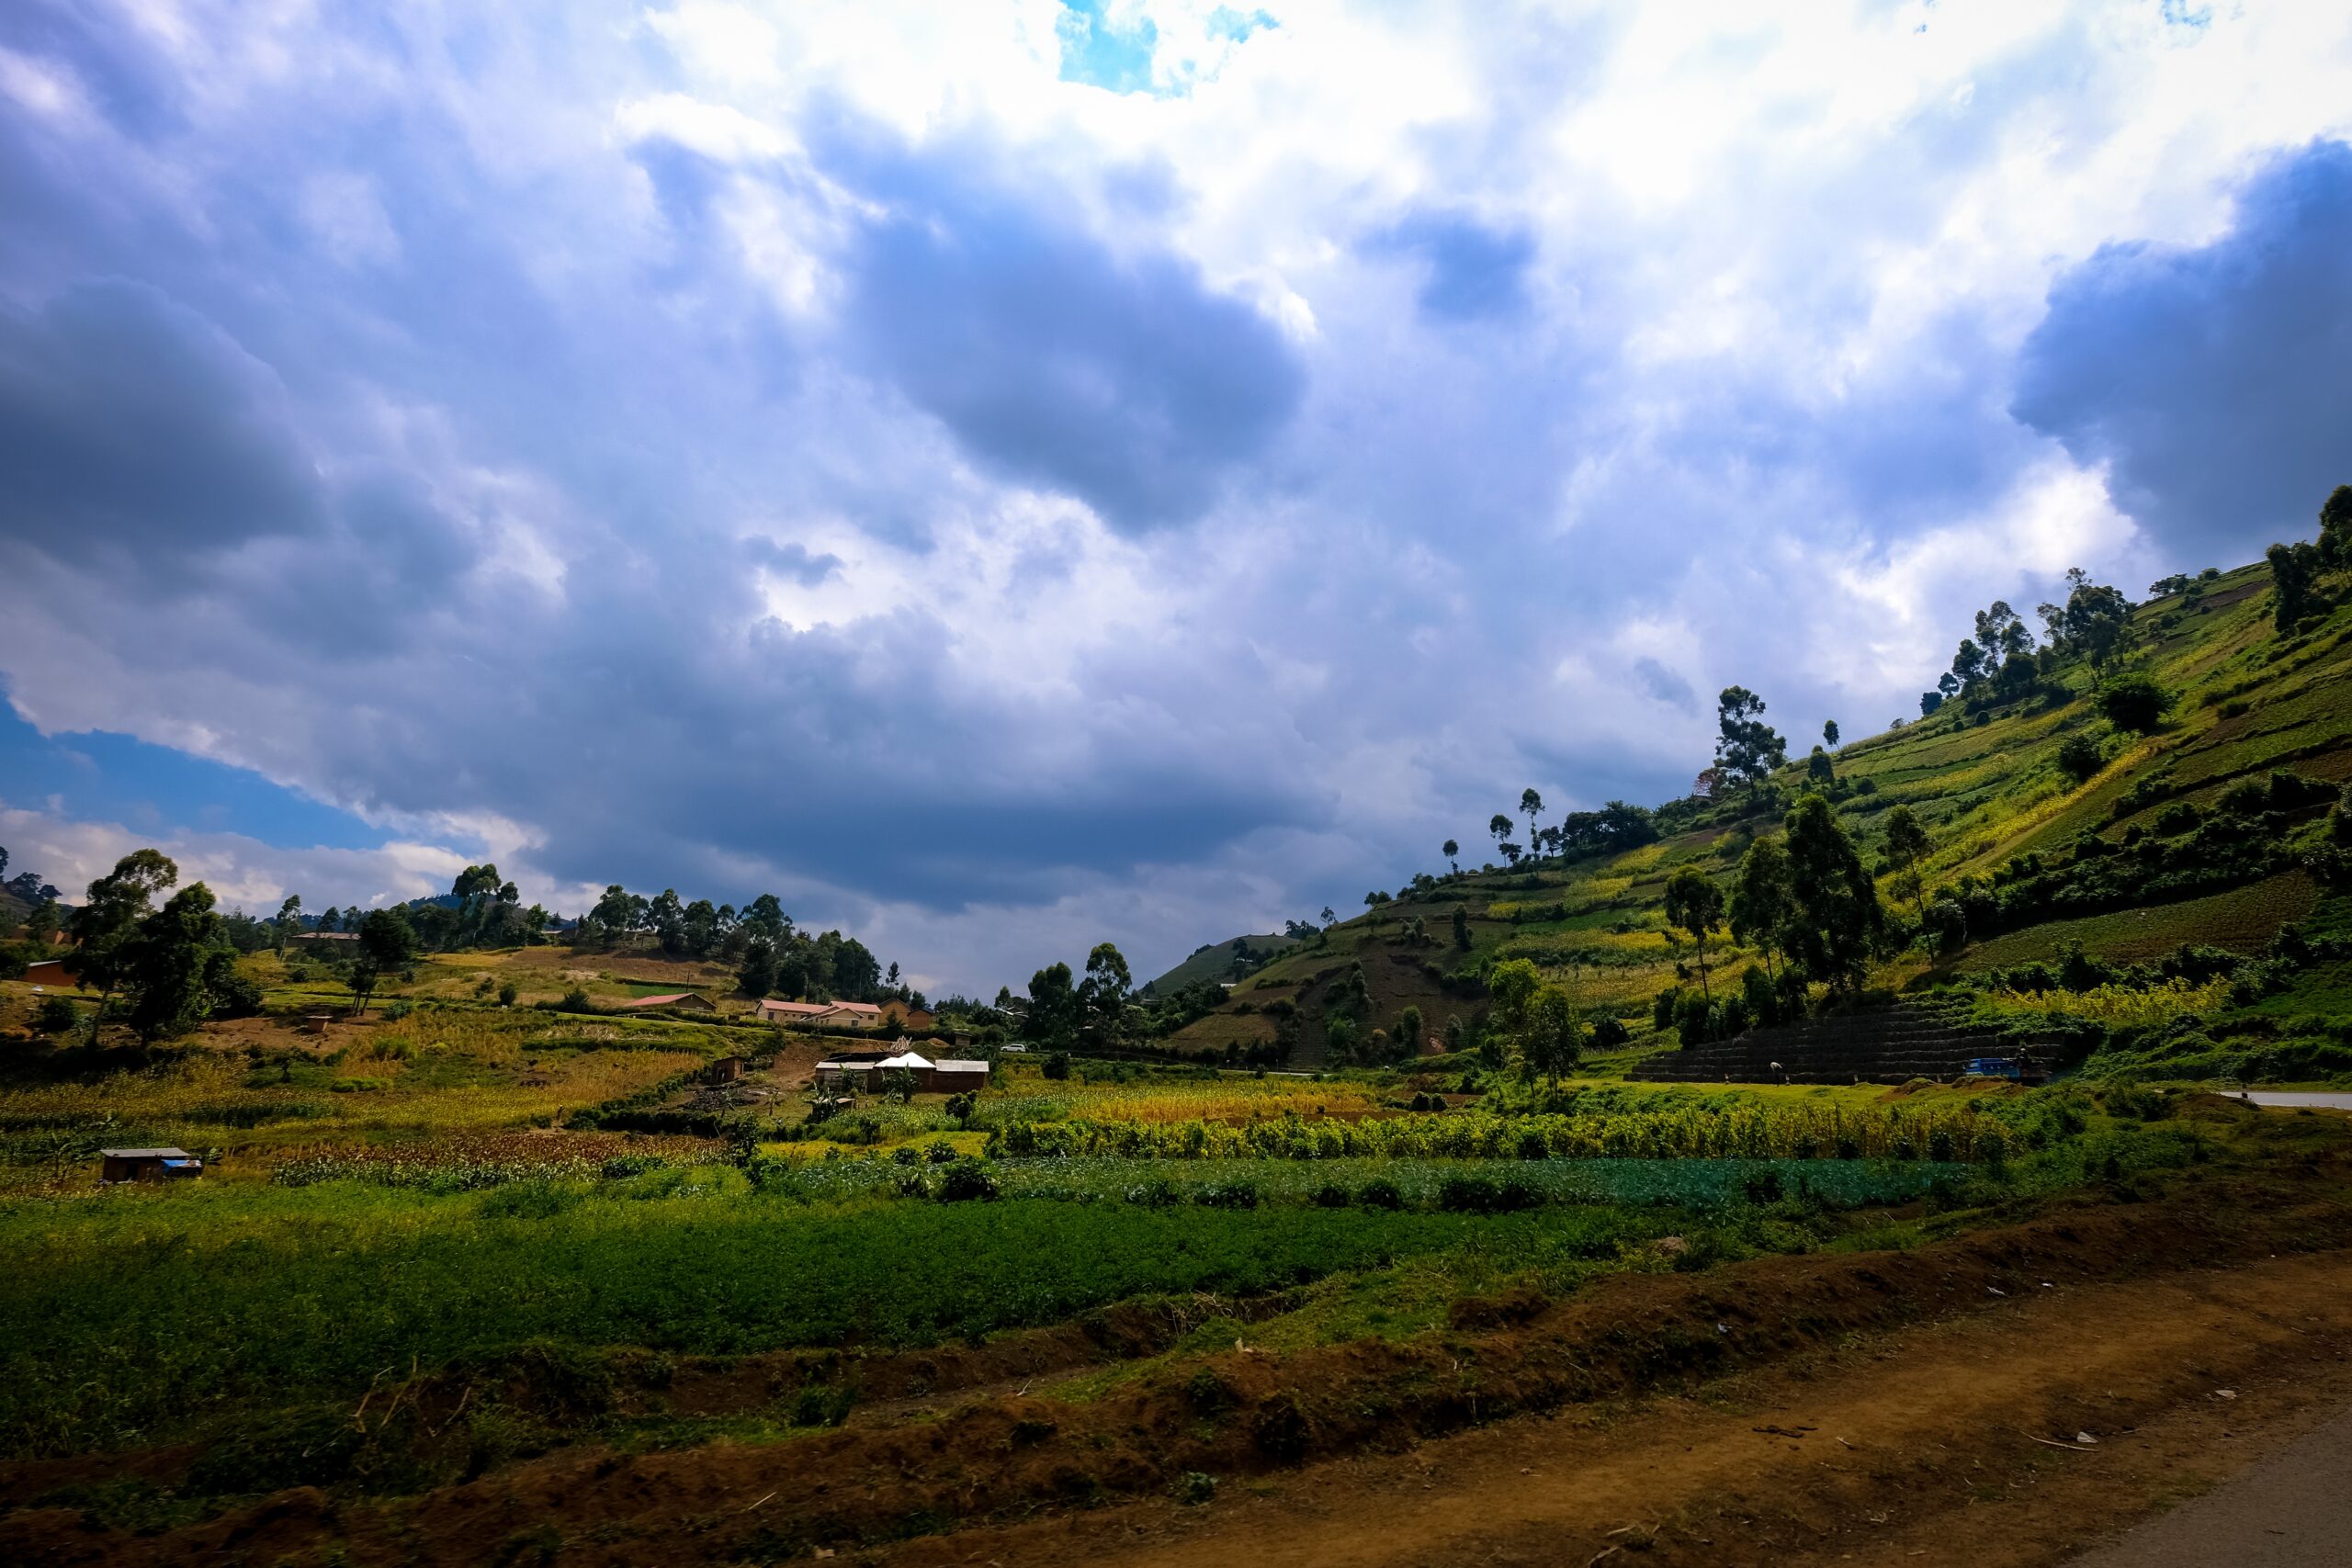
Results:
<point x="1221" y="960"/>
<point x="2004" y="819"/>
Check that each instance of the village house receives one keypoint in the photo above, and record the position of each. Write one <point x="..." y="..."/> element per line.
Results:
<point x="855" y="1070"/>
<point x="686" y="1002"/>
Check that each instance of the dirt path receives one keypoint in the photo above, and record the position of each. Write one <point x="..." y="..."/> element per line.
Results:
<point x="1917" y="1445"/>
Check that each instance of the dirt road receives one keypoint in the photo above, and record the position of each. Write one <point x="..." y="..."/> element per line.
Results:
<point x="1954" y="1443"/>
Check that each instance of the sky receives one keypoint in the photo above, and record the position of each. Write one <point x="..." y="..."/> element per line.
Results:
<point x="1005" y="477"/>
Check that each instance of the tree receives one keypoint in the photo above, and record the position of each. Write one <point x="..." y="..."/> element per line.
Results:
<point x="290" y="919"/>
<point x="1053" y="1007"/>
<point x="1411" y="1032"/>
<point x="1102" y="996"/>
<point x="476" y="879"/>
<point x="1835" y="906"/>
<point x="1930" y="701"/>
<point x="1747" y="749"/>
<point x="755" y="978"/>
<point x="2294" y="581"/>
<point x="1762" y="905"/>
<point x="1461" y="929"/>
<point x="1531" y="805"/>
<point x="2135" y="703"/>
<point x="385" y="943"/>
<point x="1906" y="846"/>
<point x="668" y="915"/>
<point x="110" y="913"/>
<point x="1819" y="770"/>
<point x="1534" y="1021"/>
<point x="1829" y="733"/>
<point x="1500" y="826"/>
<point x="613" y="911"/>
<point x="2002" y="633"/>
<point x="764" y="916"/>
<point x="1694" y="903"/>
<point x="2335" y="527"/>
<point x="2096" y="620"/>
<point x="1968" y="666"/>
<point x="162" y="965"/>
<point x="1450" y="851"/>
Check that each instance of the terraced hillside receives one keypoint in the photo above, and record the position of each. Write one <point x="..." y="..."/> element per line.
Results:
<point x="2176" y="836"/>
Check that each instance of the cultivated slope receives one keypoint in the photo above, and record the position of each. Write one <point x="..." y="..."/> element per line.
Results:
<point x="1988" y="787"/>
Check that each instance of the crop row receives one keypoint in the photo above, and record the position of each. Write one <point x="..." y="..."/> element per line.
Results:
<point x="1759" y="1133"/>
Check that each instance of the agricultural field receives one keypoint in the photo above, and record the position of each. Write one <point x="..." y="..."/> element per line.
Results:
<point x="452" y="1243"/>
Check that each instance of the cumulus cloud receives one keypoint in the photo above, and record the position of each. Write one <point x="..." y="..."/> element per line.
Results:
<point x="1122" y="380"/>
<point x="823" y="448"/>
<point x="2211" y="379"/>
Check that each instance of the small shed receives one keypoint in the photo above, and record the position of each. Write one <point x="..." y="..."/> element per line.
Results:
<point x="727" y="1069"/>
<point x="49" y="971"/>
<point x="147" y="1164"/>
<point x="953" y="1076"/>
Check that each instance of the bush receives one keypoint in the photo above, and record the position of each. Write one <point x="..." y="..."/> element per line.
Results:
<point x="506" y="995"/>
<point x="965" y="1182"/>
<point x="1194" y="1487"/>
<point x="55" y="1016"/>
<point x="1380" y="1193"/>
<point x="1058" y="1066"/>
<point x="574" y="1000"/>
<point x="1330" y="1195"/>
<point x="1227" y="1195"/>
<point x="2134" y="702"/>
<point x="2080" y="757"/>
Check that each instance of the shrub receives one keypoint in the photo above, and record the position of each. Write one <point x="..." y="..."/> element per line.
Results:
<point x="1227" y="1195"/>
<point x="966" y="1180"/>
<point x="506" y="995"/>
<point x="2134" y="702"/>
<point x="55" y="1015"/>
<point x="574" y="1000"/>
<point x="1194" y="1487"/>
<point x="1330" y="1195"/>
<point x="2080" y="757"/>
<point x="1380" y="1193"/>
<point x="1058" y="1066"/>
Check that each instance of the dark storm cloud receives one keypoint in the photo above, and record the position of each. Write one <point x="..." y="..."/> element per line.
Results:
<point x="1664" y="685"/>
<point x="1471" y="271"/>
<point x="1121" y="379"/>
<point x="131" y="424"/>
<point x="793" y="561"/>
<point x="2213" y="379"/>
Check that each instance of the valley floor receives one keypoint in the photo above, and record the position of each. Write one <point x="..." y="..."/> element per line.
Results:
<point x="2010" y="1394"/>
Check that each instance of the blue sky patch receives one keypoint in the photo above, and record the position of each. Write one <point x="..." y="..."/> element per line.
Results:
<point x="93" y="776"/>
<point x="1103" y="53"/>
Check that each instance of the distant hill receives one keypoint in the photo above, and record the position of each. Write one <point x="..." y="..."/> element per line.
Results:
<point x="1230" y="960"/>
<point x="2194" y="842"/>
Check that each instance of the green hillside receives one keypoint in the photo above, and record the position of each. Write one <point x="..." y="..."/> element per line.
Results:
<point x="1221" y="960"/>
<point x="2216" y="828"/>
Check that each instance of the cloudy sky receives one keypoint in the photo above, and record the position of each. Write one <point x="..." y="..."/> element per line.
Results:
<point x="1005" y="475"/>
